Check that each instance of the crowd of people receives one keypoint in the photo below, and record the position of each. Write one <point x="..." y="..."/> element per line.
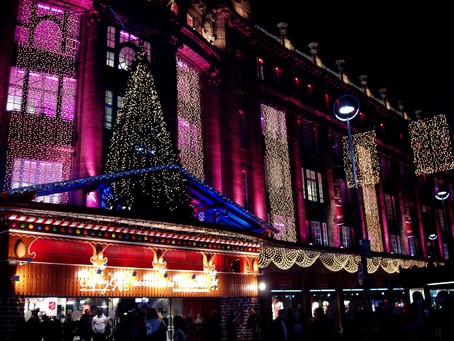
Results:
<point x="390" y="321"/>
<point x="415" y="321"/>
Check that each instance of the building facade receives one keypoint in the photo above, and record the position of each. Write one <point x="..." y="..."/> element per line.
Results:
<point x="251" y="117"/>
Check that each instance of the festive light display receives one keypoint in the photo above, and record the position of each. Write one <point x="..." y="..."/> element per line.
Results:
<point x="278" y="176"/>
<point x="366" y="159"/>
<point x="162" y="234"/>
<point x="41" y="96"/>
<point x="141" y="139"/>
<point x="431" y="145"/>
<point x="372" y="216"/>
<point x="189" y="119"/>
<point x="285" y="258"/>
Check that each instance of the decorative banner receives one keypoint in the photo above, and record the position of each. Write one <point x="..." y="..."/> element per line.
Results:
<point x="431" y="144"/>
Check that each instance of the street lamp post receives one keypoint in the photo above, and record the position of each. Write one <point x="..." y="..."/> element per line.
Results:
<point x="345" y="109"/>
<point x="442" y="195"/>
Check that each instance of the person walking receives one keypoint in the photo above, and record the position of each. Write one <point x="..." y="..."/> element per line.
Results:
<point x="98" y="325"/>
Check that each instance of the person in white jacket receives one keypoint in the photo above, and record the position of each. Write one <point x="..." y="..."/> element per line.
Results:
<point x="98" y="325"/>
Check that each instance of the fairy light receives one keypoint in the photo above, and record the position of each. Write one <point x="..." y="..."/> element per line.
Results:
<point x="285" y="258"/>
<point x="41" y="96"/>
<point x="365" y="154"/>
<point x="431" y="145"/>
<point x="372" y="217"/>
<point x="140" y="140"/>
<point x="189" y="119"/>
<point x="278" y="175"/>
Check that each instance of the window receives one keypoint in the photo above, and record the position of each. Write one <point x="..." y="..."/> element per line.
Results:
<point x="395" y="243"/>
<point x="385" y="168"/>
<point x="244" y="179"/>
<point x="44" y="93"/>
<point x="411" y="246"/>
<point x="316" y="233"/>
<point x="111" y="36"/>
<point x="337" y="150"/>
<point x="124" y="47"/>
<point x="108" y="110"/>
<point x="32" y="172"/>
<point x="325" y="234"/>
<point x="110" y="59"/>
<point x="313" y="185"/>
<point x="243" y="131"/>
<point x="15" y="89"/>
<point x="346" y="237"/>
<point x="111" y="108"/>
<point x="308" y="137"/>
<point x="260" y="72"/>
<point x="125" y="58"/>
<point x="390" y="206"/>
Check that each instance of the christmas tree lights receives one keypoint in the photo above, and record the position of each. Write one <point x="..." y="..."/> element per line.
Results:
<point x="277" y="167"/>
<point x="141" y="140"/>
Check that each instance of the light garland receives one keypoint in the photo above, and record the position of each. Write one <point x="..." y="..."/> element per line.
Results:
<point x="431" y="144"/>
<point x="140" y="140"/>
<point x="285" y="258"/>
<point x="278" y="175"/>
<point x="190" y="142"/>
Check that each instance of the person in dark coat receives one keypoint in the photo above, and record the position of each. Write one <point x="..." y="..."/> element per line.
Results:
<point x="85" y="326"/>
<point x="230" y="326"/>
<point x="279" y="328"/>
<point x="322" y="327"/>
<point x="213" y="326"/>
<point x="33" y="327"/>
<point x="445" y="316"/>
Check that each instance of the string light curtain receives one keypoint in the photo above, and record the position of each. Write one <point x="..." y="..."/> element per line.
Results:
<point x="366" y="159"/>
<point x="41" y="96"/>
<point x="190" y="143"/>
<point x="431" y="144"/>
<point x="278" y="176"/>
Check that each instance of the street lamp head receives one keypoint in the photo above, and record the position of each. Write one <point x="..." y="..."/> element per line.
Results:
<point x="346" y="107"/>
<point x="442" y="195"/>
<point x="432" y="236"/>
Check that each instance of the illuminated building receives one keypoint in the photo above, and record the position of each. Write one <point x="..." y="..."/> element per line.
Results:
<point x="265" y="162"/>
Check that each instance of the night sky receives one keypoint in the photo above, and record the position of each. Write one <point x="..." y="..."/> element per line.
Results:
<point x="409" y="51"/>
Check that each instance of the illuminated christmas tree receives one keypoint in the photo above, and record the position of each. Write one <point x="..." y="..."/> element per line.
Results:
<point x="141" y="140"/>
